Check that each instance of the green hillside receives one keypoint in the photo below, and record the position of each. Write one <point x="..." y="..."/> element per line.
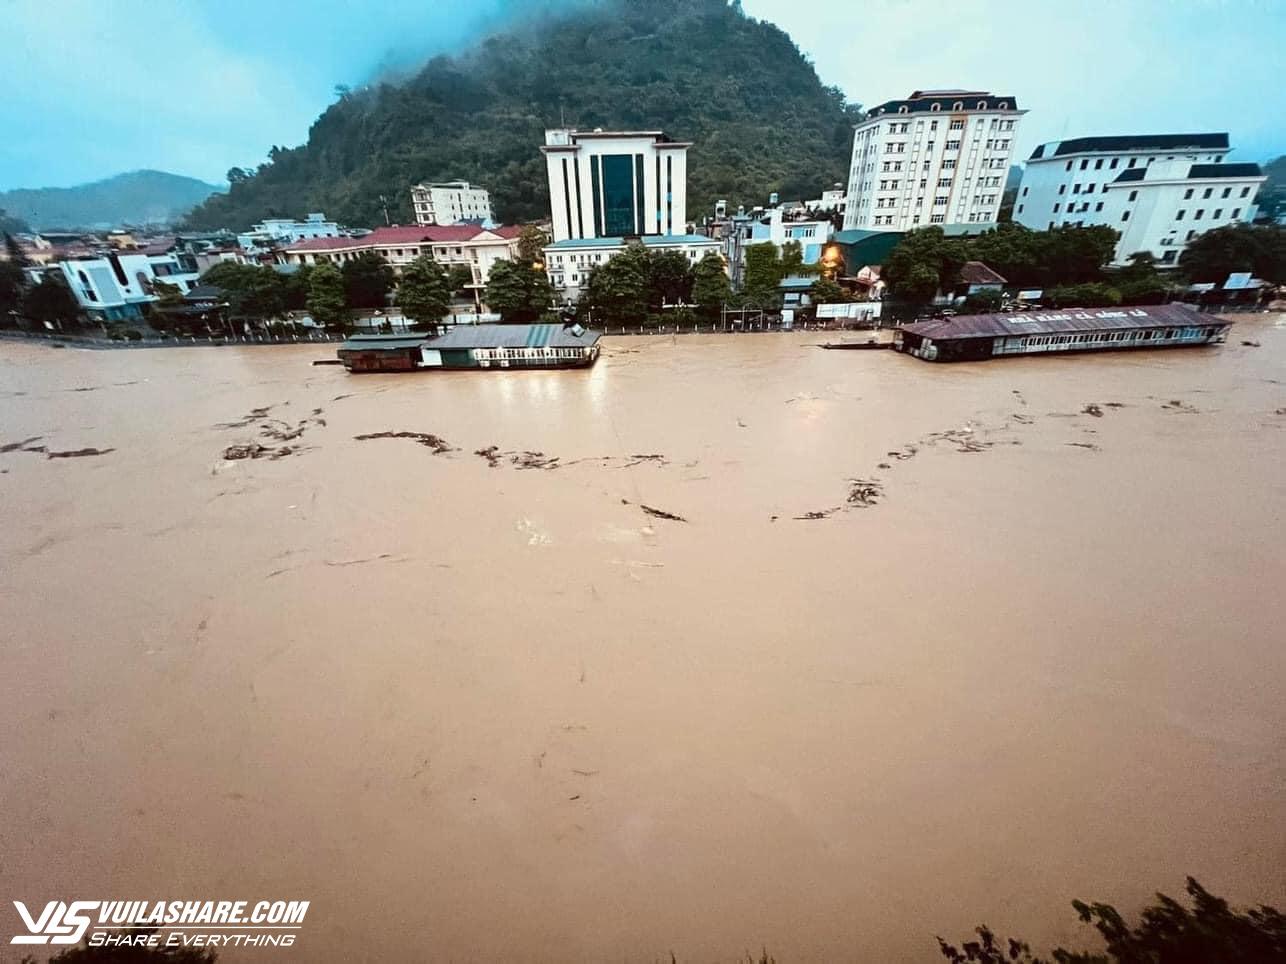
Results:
<point x="139" y="197"/>
<point x="698" y="69"/>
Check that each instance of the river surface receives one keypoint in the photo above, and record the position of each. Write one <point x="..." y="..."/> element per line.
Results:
<point x="495" y="712"/>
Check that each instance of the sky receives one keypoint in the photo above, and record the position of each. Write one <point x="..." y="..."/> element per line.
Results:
<point x="97" y="87"/>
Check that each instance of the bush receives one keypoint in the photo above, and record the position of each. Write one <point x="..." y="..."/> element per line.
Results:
<point x="1091" y="295"/>
<point x="984" y="301"/>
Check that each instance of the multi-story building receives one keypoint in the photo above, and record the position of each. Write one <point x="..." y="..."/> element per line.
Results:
<point x="607" y="187"/>
<point x="1158" y="190"/>
<point x="938" y="157"/>
<point x="449" y="245"/>
<point x="450" y="202"/>
<point x="116" y="286"/>
<point x="274" y="232"/>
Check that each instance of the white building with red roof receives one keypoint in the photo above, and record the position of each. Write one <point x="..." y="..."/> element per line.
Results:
<point x="451" y="246"/>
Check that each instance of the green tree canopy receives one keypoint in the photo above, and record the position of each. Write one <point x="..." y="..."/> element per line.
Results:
<point x="669" y="278"/>
<point x="326" y="302"/>
<point x="424" y="292"/>
<point x="618" y="290"/>
<point x="762" y="274"/>
<point x="711" y="289"/>
<point x="520" y="292"/>
<point x="1260" y="249"/>
<point x="368" y="279"/>
<point x="531" y="245"/>
<point x="52" y="301"/>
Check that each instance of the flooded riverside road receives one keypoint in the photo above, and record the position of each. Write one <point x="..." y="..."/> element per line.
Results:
<point x="487" y="707"/>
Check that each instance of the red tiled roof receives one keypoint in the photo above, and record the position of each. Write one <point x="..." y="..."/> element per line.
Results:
<point x="977" y="273"/>
<point x="413" y="234"/>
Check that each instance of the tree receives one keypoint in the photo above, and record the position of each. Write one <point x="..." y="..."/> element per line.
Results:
<point x="669" y="278"/>
<point x="1168" y="933"/>
<point x="326" y="297"/>
<point x="459" y="277"/>
<point x="617" y="290"/>
<point x="531" y="245"/>
<point x="237" y="175"/>
<point x="711" y="289"/>
<point x="424" y="293"/>
<point x="52" y="301"/>
<point x="368" y="279"/>
<point x="1259" y="249"/>
<point x="518" y="291"/>
<point x="827" y="291"/>
<point x="762" y="275"/>
<point x="252" y="291"/>
<point x="12" y="225"/>
<point x="13" y="281"/>
<point x="924" y="262"/>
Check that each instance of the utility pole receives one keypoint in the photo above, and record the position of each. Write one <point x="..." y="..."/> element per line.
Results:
<point x="384" y="201"/>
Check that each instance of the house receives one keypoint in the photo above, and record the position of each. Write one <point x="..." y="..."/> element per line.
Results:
<point x="1158" y="190"/>
<point x="977" y="337"/>
<point x="474" y="346"/>
<point x="274" y="232"/>
<point x="974" y="278"/>
<point x="117" y="286"/>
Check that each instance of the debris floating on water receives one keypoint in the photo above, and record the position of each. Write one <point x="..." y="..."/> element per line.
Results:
<point x="77" y="453"/>
<point x="864" y="492"/>
<point x="439" y="445"/>
<point x="1092" y="409"/>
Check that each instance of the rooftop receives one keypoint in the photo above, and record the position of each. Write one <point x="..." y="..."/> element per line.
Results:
<point x="922" y="101"/>
<point x="514" y="336"/>
<point x="412" y="234"/>
<point x="1225" y="170"/>
<point x="650" y="240"/>
<point x="1061" y="321"/>
<point x="1131" y="142"/>
<point x="977" y="273"/>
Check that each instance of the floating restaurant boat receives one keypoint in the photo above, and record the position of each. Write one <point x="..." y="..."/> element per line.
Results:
<point x="975" y="337"/>
<point x="868" y="345"/>
<point x="474" y="346"/>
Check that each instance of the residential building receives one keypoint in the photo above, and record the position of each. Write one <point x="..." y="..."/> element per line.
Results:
<point x="450" y="202"/>
<point x="1158" y="190"/>
<point x="830" y="202"/>
<point x="116" y="286"/>
<point x="937" y="157"/>
<point x="274" y="232"/>
<point x="776" y="226"/>
<point x="609" y="186"/>
<point x="449" y="245"/>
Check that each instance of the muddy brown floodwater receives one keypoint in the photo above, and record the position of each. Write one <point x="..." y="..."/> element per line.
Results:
<point x="925" y="645"/>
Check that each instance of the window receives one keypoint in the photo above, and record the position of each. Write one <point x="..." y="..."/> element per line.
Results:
<point x="1190" y="235"/>
<point x="1197" y="216"/>
<point x="1245" y="192"/>
<point x="1133" y="196"/>
<point x="1098" y="165"/>
<point x="949" y="165"/>
<point x="1226" y="192"/>
<point x="1099" y="206"/>
<point x="1085" y="163"/>
<point x="1089" y="188"/>
<point x="1062" y="188"/>
<point x="958" y="105"/>
<point x="1187" y="195"/>
<point x="1055" y="208"/>
<point x="928" y="146"/>
<point x="953" y="145"/>
<point x="936" y="107"/>
<point x="1068" y="167"/>
<point x="1076" y="189"/>
<point x="1206" y="192"/>
<point x="1179" y="214"/>
<point x="938" y="219"/>
<point x="1236" y="213"/>
<point x="1112" y="166"/>
<point x="940" y="201"/>
<point x="944" y="182"/>
<point x="1218" y="213"/>
<point x="1125" y="216"/>
<point x="957" y="125"/>
<point x="1020" y="209"/>
<point x="1024" y="192"/>
<point x="982" y="105"/>
<point x="1132" y="160"/>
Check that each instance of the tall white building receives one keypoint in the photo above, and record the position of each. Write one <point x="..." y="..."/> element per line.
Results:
<point x="938" y="157"/>
<point x="450" y="202"/>
<point x="609" y="186"/>
<point x="272" y="232"/>
<point x="1158" y="190"/>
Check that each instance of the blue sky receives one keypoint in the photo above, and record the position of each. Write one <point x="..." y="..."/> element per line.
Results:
<point x="96" y="87"/>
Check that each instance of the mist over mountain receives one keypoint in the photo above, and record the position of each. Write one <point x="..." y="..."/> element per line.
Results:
<point x="740" y="89"/>
<point x="139" y="197"/>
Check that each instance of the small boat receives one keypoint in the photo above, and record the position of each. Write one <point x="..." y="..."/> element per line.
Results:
<point x="869" y="345"/>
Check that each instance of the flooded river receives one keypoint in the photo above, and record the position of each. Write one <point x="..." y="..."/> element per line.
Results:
<point x="485" y="707"/>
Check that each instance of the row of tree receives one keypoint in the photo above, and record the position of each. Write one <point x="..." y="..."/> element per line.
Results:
<point x="1071" y="264"/>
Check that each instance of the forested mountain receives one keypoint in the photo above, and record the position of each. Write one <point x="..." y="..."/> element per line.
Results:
<point x="139" y="197"/>
<point x="701" y="70"/>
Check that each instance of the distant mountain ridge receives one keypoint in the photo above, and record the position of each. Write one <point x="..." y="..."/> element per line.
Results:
<point x="758" y="117"/>
<point x="135" y="198"/>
